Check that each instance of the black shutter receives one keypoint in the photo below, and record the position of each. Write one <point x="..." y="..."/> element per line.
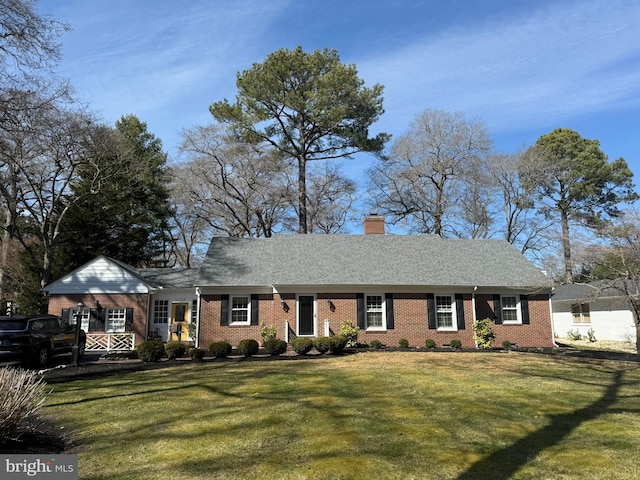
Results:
<point x="66" y="316"/>
<point x="497" y="309"/>
<point x="460" y="311"/>
<point x="361" y="312"/>
<point x="254" y="309"/>
<point x="388" y="302"/>
<point x="224" y="310"/>
<point x="524" y="308"/>
<point x="128" y="319"/>
<point x="431" y="311"/>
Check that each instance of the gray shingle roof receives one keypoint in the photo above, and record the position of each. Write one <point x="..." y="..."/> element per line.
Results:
<point x="587" y="292"/>
<point x="366" y="260"/>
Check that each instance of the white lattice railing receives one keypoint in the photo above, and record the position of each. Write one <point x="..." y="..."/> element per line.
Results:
<point x="110" y="342"/>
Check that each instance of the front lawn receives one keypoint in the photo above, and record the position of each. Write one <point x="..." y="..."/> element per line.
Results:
<point x="371" y="415"/>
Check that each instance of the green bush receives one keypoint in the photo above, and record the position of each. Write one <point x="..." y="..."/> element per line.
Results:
<point x="591" y="334"/>
<point x="267" y="333"/>
<point x="455" y="344"/>
<point x="337" y="344"/>
<point x="506" y="345"/>
<point x="151" y="350"/>
<point x="430" y="343"/>
<point x="175" y="350"/>
<point x="350" y="332"/>
<point x="302" y="346"/>
<point x="275" y="346"/>
<point x="248" y="347"/>
<point x="322" y="344"/>
<point x="483" y="333"/>
<point x="220" y="349"/>
<point x="404" y="343"/>
<point x="196" y="353"/>
<point x="375" y="344"/>
<point x="22" y="394"/>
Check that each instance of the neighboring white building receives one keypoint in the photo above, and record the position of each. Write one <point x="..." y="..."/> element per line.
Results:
<point x="581" y="307"/>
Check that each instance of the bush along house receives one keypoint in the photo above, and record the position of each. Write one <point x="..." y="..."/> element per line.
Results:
<point x="393" y="287"/>
<point x="121" y="306"/>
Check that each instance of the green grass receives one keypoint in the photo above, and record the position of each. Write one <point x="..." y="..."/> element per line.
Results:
<point x="371" y="415"/>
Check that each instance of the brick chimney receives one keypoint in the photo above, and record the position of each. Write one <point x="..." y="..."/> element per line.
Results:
<point x="373" y="225"/>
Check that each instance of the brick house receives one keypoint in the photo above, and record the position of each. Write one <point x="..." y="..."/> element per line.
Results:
<point x="391" y="286"/>
<point x="121" y="306"/>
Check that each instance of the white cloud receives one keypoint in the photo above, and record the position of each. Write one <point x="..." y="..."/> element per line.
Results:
<point x="517" y="71"/>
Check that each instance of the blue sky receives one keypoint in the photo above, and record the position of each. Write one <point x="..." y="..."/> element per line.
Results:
<point x="524" y="68"/>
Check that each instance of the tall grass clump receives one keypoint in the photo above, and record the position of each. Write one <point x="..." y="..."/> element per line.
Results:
<point x="22" y="393"/>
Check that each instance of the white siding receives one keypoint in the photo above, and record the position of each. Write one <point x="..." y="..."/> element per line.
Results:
<point x="98" y="276"/>
<point x="611" y="320"/>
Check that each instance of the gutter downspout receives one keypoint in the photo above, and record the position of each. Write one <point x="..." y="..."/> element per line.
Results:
<point x="475" y="316"/>
<point x="553" y="328"/>
<point x="198" y="298"/>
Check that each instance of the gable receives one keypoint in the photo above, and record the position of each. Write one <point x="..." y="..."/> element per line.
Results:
<point x="101" y="275"/>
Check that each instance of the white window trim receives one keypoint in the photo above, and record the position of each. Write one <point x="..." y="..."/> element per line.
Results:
<point x="582" y="313"/>
<point x="454" y="313"/>
<point x="237" y="295"/>
<point x="108" y="324"/>
<point x="384" y="313"/>
<point x="518" y="310"/>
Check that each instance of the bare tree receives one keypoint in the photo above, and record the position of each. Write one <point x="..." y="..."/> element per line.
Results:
<point x="233" y="188"/>
<point x="615" y="262"/>
<point x="424" y="176"/>
<point x="522" y="225"/>
<point x="330" y="197"/>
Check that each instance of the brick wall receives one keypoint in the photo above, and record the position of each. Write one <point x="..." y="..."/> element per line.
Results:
<point x="136" y="301"/>
<point x="410" y="318"/>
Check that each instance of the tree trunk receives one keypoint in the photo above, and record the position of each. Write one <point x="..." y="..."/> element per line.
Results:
<point x="566" y="247"/>
<point x="302" y="195"/>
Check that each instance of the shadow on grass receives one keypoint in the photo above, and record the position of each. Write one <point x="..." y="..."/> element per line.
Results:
<point x="503" y="463"/>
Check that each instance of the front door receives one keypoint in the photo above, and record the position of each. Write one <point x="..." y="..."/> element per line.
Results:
<point x="179" y="322"/>
<point x="306" y="315"/>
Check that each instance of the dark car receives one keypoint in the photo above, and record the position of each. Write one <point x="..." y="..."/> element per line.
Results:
<point x="36" y="338"/>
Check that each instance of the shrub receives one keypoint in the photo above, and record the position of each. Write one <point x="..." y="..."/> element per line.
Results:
<point x="175" y="350"/>
<point x="455" y="344"/>
<point x="574" y="335"/>
<point x="151" y="350"/>
<point x="350" y="332"/>
<point x="268" y="333"/>
<point x="22" y="393"/>
<point x="591" y="335"/>
<point x="337" y="344"/>
<point x="375" y="344"/>
<point x="196" y="353"/>
<point x="220" y="349"/>
<point x="430" y="343"/>
<point x="322" y="344"/>
<point x="483" y="333"/>
<point x="275" y="346"/>
<point x="248" y="347"/>
<point x="302" y="346"/>
<point x="404" y="343"/>
<point x="506" y="345"/>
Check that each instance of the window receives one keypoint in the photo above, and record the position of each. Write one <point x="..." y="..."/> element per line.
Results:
<point x="194" y="312"/>
<point x="375" y="316"/>
<point x="581" y="313"/>
<point x="160" y="311"/>
<point x="240" y="310"/>
<point x="116" y="320"/>
<point x="510" y="309"/>
<point x="445" y="312"/>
